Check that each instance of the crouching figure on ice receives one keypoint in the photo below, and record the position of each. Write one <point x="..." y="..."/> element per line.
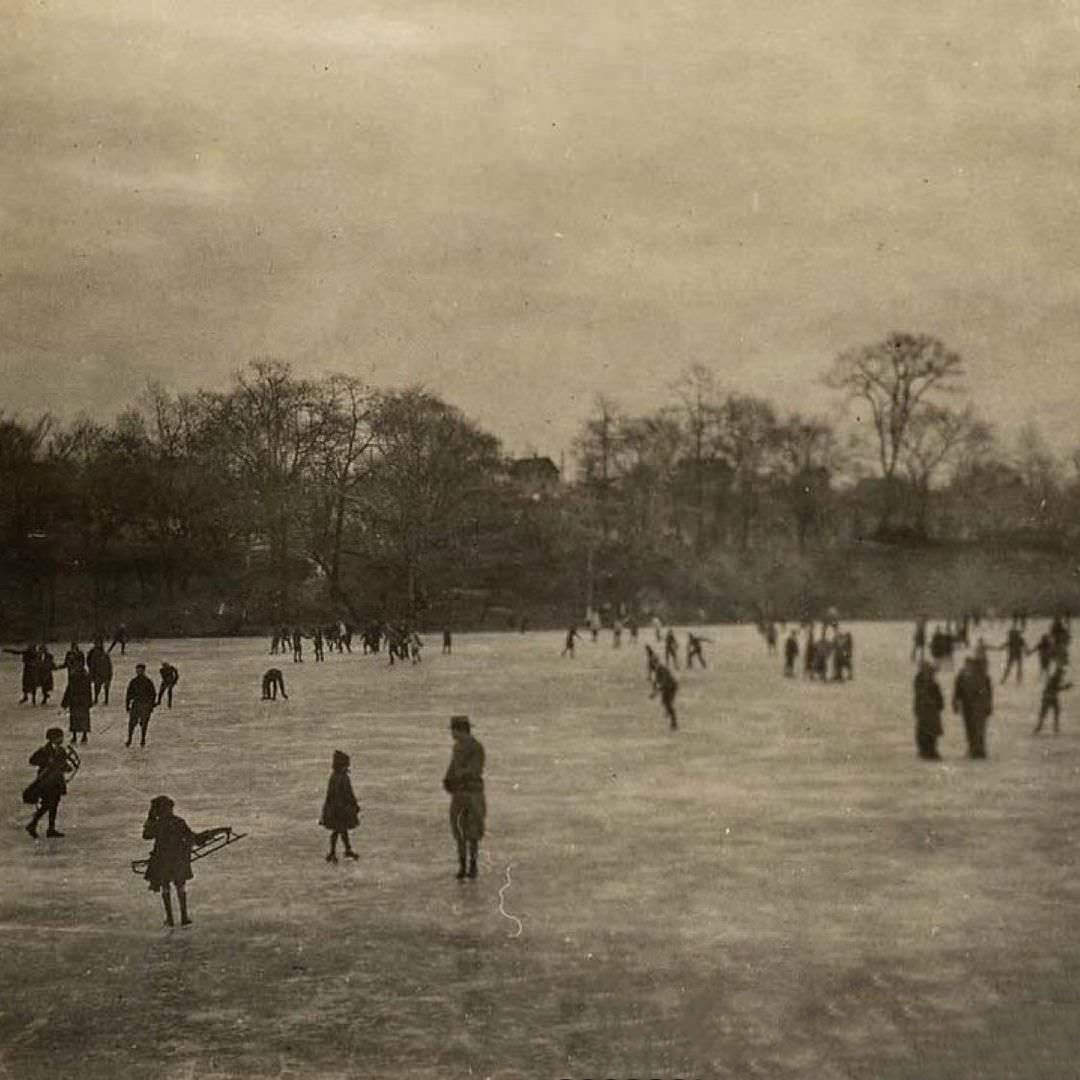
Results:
<point x="272" y="682"/>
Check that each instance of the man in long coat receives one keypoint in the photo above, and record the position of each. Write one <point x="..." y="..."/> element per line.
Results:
<point x="464" y="780"/>
<point x="973" y="698"/>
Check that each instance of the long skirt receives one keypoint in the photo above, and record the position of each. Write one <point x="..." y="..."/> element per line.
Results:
<point x="79" y="718"/>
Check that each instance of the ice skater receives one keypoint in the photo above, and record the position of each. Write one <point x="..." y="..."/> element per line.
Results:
<point x="139" y="701"/>
<point x="693" y="649"/>
<point x="341" y="811"/>
<point x="464" y="781"/>
<point x="169" y="678"/>
<point x="272" y="682"/>
<point x="120" y="638"/>
<point x="791" y="654"/>
<point x="1015" y="646"/>
<point x="29" y="658"/>
<point x="665" y="684"/>
<point x="671" y="649"/>
<point x="929" y="703"/>
<point x="50" y="786"/>
<point x="170" y="860"/>
<point x="1051" y="698"/>
<point x="78" y="700"/>
<point x="99" y="664"/>
<point x="973" y="698"/>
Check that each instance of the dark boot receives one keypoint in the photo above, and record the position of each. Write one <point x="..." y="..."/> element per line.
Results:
<point x="182" y="897"/>
<point x="167" y="901"/>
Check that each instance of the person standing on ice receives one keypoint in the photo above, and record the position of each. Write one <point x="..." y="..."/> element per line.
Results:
<point x="78" y="700"/>
<point x="139" y="701"/>
<point x="1051" y="698"/>
<point x="169" y="864"/>
<point x="1015" y="646"/>
<point x="571" y="636"/>
<point x="791" y="654"/>
<point x="665" y="684"/>
<point x="341" y="811"/>
<point x="99" y="664"/>
<point x="918" y="640"/>
<point x="928" y="706"/>
<point x="464" y="781"/>
<point x="973" y="698"/>
<point x="671" y="649"/>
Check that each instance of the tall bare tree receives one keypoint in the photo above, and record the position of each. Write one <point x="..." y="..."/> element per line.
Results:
<point x="894" y="380"/>
<point x="277" y="426"/>
<point x="701" y="409"/>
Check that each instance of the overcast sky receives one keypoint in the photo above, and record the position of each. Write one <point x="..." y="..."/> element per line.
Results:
<point x="523" y="204"/>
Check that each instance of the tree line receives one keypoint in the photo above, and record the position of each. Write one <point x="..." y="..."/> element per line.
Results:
<point x="281" y="498"/>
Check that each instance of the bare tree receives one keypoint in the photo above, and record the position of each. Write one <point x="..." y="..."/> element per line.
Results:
<point x="432" y="468"/>
<point x="597" y="449"/>
<point x="808" y="456"/>
<point x="700" y="402"/>
<point x="749" y="441"/>
<point x="342" y="464"/>
<point x="895" y="380"/>
<point x="277" y="427"/>
<point x="939" y="438"/>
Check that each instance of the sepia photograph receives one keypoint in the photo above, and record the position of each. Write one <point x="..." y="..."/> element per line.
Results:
<point x="539" y="541"/>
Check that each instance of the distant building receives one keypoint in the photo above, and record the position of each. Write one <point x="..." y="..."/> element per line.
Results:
<point x="535" y="476"/>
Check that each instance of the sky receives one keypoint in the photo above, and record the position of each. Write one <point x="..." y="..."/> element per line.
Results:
<point x="522" y="205"/>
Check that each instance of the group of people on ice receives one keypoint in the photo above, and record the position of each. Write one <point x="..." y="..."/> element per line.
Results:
<point x="973" y="695"/>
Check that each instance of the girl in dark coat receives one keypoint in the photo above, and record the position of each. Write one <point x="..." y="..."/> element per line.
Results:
<point x="170" y="859"/>
<point x="77" y="699"/>
<point x="341" y="811"/>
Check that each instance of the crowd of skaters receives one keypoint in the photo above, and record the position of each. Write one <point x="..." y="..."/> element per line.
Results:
<point x="168" y="868"/>
<point x="400" y="639"/>
<point x="827" y="656"/>
<point x="973" y="686"/>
